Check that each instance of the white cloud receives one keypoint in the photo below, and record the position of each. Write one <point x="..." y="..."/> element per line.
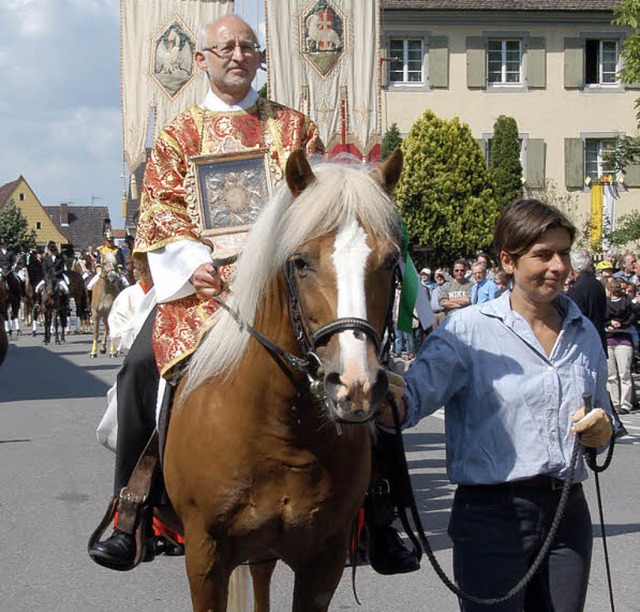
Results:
<point x="60" y="102"/>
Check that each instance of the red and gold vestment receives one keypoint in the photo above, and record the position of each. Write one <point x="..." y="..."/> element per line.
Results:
<point x="164" y="217"/>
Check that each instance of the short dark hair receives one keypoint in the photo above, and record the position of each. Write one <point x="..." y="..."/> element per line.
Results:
<point x="523" y="222"/>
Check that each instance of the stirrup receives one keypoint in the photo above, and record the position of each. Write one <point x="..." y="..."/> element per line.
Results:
<point x="127" y="507"/>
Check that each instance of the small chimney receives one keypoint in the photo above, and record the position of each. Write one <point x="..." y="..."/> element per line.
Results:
<point x="64" y="214"/>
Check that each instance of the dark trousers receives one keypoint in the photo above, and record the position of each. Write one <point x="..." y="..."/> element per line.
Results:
<point x="137" y="392"/>
<point x="497" y="532"/>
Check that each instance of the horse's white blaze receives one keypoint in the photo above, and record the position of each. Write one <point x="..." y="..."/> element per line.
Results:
<point x="350" y="259"/>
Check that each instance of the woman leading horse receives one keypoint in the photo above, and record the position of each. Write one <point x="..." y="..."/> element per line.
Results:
<point x="268" y="451"/>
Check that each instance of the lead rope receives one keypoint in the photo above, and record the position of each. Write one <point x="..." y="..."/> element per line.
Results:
<point x="590" y="458"/>
<point x="427" y="547"/>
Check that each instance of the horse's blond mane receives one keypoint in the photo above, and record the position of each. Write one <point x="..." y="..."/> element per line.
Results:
<point x="340" y="192"/>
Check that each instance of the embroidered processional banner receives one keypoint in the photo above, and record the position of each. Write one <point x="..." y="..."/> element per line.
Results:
<point x="322" y="58"/>
<point x="157" y="41"/>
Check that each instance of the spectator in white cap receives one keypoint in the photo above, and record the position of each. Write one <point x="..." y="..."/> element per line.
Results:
<point x="425" y="279"/>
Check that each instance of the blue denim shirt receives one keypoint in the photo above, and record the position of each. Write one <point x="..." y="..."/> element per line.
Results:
<point x="507" y="404"/>
<point x="483" y="291"/>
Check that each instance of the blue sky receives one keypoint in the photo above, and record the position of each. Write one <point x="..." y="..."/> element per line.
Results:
<point x="60" y="121"/>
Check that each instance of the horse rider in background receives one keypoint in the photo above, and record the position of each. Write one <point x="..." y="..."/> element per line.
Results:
<point x="108" y="250"/>
<point x="12" y="282"/>
<point x="35" y="272"/>
<point x="7" y="258"/>
<point x="53" y="266"/>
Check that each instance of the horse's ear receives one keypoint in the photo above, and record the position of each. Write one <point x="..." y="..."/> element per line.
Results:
<point x="388" y="173"/>
<point x="298" y="172"/>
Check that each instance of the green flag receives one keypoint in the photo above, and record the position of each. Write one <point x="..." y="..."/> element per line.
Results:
<point x="410" y="284"/>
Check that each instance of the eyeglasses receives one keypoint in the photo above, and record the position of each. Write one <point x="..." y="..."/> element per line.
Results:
<point x="226" y="50"/>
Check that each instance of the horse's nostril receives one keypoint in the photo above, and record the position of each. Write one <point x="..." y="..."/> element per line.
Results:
<point x="332" y="384"/>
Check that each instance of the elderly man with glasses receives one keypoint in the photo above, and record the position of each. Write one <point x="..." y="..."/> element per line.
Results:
<point x="232" y="118"/>
<point x="627" y="271"/>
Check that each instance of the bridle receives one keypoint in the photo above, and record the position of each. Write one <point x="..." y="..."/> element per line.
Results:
<point x="308" y="339"/>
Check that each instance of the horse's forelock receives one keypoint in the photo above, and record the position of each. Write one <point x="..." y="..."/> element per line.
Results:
<point x="340" y="193"/>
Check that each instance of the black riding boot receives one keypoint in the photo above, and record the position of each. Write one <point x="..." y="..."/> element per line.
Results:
<point x="118" y="552"/>
<point x="386" y="496"/>
<point x="137" y="390"/>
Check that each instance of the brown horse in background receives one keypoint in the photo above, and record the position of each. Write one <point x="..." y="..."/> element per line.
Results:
<point x="54" y="311"/>
<point x="103" y="293"/>
<point x="257" y="464"/>
<point x="78" y="292"/>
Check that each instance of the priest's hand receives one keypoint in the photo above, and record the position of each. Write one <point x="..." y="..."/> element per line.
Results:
<point x="206" y="281"/>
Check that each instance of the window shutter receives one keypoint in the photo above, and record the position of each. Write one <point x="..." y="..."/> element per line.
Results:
<point x="537" y="63"/>
<point x="475" y="62"/>
<point x="573" y="162"/>
<point x="439" y="61"/>
<point x="535" y="156"/>
<point x="573" y="63"/>
<point x="384" y="66"/>
<point x="632" y="175"/>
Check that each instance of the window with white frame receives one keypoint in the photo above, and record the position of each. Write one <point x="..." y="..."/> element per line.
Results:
<point x="601" y="62"/>
<point x="596" y="164"/>
<point x="504" y="61"/>
<point x="407" y="58"/>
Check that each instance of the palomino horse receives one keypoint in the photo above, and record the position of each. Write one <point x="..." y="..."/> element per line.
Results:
<point x="270" y="458"/>
<point x="103" y="293"/>
<point x="54" y="310"/>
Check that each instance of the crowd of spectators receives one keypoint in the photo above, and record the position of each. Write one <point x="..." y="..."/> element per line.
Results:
<point x="607" y="292"/>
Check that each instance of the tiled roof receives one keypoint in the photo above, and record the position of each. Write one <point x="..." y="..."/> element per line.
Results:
<point x="84" y="226"/>
<point x="6" y="189"/>
<point x="503" y="5"/>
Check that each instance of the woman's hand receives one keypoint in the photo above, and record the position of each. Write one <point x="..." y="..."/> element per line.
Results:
<point x="206" y="281"/>
<point x="396" y="388"/>
<point x="593" y="427"/>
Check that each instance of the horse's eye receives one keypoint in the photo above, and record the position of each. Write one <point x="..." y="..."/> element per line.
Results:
<point x="390" y="263"/>
<point x="301" y="264"/>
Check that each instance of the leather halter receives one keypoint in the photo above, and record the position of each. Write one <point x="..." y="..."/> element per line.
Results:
<point x="308" y="340"/>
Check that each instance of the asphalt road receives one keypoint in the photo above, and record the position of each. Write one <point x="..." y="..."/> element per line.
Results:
<point x="55" y="483"/>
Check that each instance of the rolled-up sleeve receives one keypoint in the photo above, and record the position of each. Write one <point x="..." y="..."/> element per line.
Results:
<point x="436" y="374"/>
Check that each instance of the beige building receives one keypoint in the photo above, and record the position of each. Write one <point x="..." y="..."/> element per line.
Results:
<point x="28" y="203"/>
<point x="550" y="64"/>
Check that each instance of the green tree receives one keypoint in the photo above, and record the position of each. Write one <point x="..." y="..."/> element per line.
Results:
<point x="15" y="228"/>
<point x="391" y="141"/>
<point x="628" y="231"/>
<point x="627" y="149"/>
<point x="627" y="13"/>
<point x="504" y="166"/>
<point x="445" y="193"/>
